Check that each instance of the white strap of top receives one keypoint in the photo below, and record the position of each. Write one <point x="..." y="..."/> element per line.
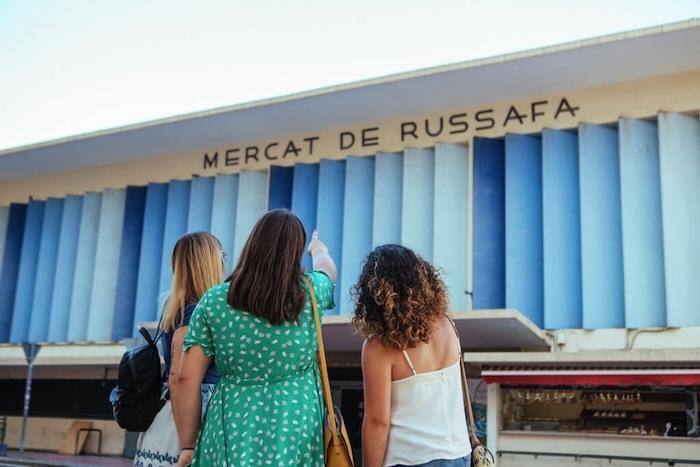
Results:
<point x="408" y="360"/>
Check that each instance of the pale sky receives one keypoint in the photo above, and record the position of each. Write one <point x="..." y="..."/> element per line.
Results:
<point x="71" y="67"/>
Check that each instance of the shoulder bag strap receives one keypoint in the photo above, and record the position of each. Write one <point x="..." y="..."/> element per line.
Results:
<point x="465" y="393"/>
<point x="325" y="383"/>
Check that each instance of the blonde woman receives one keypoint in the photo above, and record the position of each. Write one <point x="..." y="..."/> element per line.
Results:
<point x="197" y="263"/>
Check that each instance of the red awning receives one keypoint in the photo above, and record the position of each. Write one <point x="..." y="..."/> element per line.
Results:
<point x="593" y="377"/>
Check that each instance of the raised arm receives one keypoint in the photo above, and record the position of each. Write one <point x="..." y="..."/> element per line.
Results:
<point x="320" y="258"/>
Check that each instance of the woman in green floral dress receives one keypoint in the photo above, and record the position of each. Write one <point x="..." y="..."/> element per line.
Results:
<point x="267" y="407"/>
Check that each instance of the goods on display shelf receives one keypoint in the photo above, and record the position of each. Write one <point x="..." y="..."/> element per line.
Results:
<point x="642" y="411"/>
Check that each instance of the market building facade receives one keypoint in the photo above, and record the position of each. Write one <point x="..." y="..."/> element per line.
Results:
<point x="557" y="189"/>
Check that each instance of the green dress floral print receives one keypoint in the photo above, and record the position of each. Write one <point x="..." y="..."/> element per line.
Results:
<point x="267" y="407"/>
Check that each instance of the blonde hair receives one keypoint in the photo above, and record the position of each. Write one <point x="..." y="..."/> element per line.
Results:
<point x="197" y="265"/>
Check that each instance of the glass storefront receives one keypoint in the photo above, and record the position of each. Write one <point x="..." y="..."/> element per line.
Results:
<point x="624" y="411"/>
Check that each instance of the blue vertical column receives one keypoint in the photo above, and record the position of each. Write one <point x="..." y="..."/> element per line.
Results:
<point x="84" y="267"/>
<point x="417" y="201"/>
<point x="524" y="268"/>
<point x="128" y="275"/>
<point x="451" y="211"/>
<point x="388" y="195"/>
<point x="561" y="230"/>
<point x="45" y="271"/>
<point x="679" y="160"/>
<point x="329" y="218"/>
<point x="601" y="228"/>
<point x="9" y="266"/>
<point x="305" y="199"/>
<point x="65" y="269"/>
<point x="107" y="252"/>
<point x="252" y="203"/>
<point x="642" y="233"/>
<point x="175" y="227"/>
<point x="223" y="215"/>
<point x="357" y="224"/>
<point x="281" y="183"/>
<point x="148" y="283"/>
<point x="201" y="198"/>
<point x="489" y="224"/>
<point x="4" y="221"/>
<point x="4" y="217"/>
<point x="26" y="276"/>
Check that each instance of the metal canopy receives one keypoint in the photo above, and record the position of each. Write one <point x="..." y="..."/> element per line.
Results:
<point x="482" y="330"/>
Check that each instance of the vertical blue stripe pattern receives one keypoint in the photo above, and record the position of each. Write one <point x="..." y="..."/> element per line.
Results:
<point x="201" y="198"/>
<point x="601" y="228"/>
<point x="561" y="230"/>
<point x="127" y="277"/>
<point x="679" y="160"/>
<point x="175" y="227"/>
<point x="524" y="268"/>
<point x="329" y="220"/>
<point x="451" y="211"/>
<point x="26" y="276"/>
<point x="45" y="271"/>
<point x="4" y="223"/>
<point x="642" y="235"/>
<point x="107" y="252"/>
<point x="146" y="305"/>
<point x="84" y="267"/>
<point x="252" y="203"/>
<point x="4" y="217"/>
<point x="489" y="224"/>
<point x="304" y="199"/>
<point x="417" y="210"/>
<point x="65" y="269"/>
<point x="388" y="194"/>
<point x="9" y="267"/>
<point x="357" y="224"/>
<point x="223" y="215"/>
<point x="281" y="183"/>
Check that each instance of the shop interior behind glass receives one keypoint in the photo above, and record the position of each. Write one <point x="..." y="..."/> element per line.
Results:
<point x="641" y="411"/>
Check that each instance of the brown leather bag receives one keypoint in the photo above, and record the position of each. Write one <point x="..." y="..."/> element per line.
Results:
<point x="336" y="442"/>
<point x="481" y="457"/>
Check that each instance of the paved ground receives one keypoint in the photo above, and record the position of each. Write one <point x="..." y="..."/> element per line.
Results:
<point x="33" y="458"/>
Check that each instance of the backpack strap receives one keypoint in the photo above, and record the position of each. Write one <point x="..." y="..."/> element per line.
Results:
<point x="152" y="341"/>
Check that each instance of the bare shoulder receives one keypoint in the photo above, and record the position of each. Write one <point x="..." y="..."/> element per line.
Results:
<point x="374" y="350"/>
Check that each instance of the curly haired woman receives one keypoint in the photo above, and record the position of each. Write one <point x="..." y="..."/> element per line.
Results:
<point x="410" y="364"/>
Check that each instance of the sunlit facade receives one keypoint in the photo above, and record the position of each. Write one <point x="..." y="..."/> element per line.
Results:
<point x="558" y="190"/>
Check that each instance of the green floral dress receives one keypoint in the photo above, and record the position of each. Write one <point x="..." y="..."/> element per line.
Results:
<point x="267" y="407"/>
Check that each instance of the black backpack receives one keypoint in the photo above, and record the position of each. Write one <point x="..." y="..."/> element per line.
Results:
<point x="137" y="399"/>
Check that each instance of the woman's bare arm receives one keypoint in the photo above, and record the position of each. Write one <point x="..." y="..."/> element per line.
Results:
<point x="376" y="375"/>
<point x="320" y="258"/>
<point x="175" y="356"/>
<point x="193" y="367"/>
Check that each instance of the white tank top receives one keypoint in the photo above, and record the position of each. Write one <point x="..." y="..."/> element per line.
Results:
<point x="427" y="417"/>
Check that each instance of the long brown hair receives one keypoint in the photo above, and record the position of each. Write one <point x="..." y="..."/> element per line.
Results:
<point x="197" y="265"/>
<point x="267" y="278"/>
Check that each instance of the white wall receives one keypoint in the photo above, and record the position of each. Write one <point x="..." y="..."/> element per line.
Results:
<point x="613" y="445"/>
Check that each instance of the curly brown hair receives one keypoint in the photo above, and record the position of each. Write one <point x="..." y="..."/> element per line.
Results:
<point x="397" y="296"/>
